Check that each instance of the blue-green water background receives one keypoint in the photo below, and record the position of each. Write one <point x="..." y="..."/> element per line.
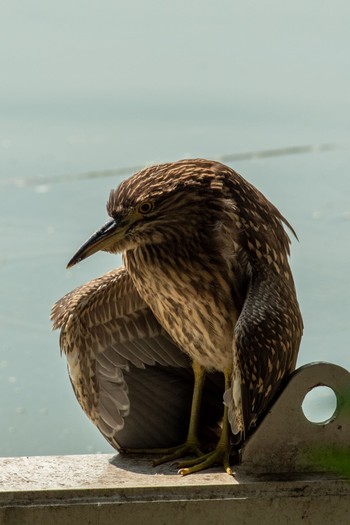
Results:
<point x="89" y="86"/>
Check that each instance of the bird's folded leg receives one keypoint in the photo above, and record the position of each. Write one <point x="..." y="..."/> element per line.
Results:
<point x="220" y="455"/>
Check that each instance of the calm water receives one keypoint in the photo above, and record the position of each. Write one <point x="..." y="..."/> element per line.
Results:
<point x="87" y="88"/>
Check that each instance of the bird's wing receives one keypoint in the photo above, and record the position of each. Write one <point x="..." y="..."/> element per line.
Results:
<point x="267" y="339"/>
<point x="269" y="327"/>
<point x="130" y="378"/>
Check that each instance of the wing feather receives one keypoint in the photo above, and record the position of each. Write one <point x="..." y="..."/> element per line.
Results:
<point x="130" y="378"/>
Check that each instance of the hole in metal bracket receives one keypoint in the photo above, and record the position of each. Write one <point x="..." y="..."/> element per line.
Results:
<point x="319" y="405"/>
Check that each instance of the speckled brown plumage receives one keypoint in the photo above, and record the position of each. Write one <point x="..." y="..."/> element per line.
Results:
<point x="206" y="277"/>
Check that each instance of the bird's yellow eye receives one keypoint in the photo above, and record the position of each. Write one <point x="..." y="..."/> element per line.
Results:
<point x="145" y="207"/>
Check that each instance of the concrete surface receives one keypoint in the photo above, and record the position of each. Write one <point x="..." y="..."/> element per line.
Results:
<point x="123" y="490"/>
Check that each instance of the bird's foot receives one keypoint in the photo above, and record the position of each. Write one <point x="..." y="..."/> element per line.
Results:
<point x="220" y="455"/>
<point x="170" y="454"/>
<point x="190" y="447"/>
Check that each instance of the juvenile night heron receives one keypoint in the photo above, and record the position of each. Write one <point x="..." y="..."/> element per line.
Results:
<point x="205" y="283"/>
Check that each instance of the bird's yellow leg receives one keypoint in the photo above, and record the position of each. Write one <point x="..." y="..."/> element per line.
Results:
<point x="191" y="445"/>
<point x="221" y="453"/>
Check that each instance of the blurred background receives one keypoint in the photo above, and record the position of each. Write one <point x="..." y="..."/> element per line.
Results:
<point x="92" y="90"/>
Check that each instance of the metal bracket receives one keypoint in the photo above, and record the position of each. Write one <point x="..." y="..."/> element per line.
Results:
<point x="286" y="441"/>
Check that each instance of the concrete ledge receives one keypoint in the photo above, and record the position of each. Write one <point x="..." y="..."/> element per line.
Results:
<point x="100" y="489"/>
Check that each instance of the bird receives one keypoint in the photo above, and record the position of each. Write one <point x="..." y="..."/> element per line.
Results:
<point x="183" y="349"/>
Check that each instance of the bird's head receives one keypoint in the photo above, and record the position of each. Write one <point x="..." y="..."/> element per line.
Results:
<point x="162" y="203"/>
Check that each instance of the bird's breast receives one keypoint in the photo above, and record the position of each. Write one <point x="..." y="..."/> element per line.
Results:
<point x="192" y="302"/>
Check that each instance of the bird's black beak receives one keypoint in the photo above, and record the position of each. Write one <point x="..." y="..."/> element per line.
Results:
<point x="104" y="238"/>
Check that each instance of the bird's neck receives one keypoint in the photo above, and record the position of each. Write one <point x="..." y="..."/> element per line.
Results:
<point x="167" y="259"/>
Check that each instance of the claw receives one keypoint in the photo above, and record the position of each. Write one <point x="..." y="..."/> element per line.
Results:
<point x="219" y="455"/>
